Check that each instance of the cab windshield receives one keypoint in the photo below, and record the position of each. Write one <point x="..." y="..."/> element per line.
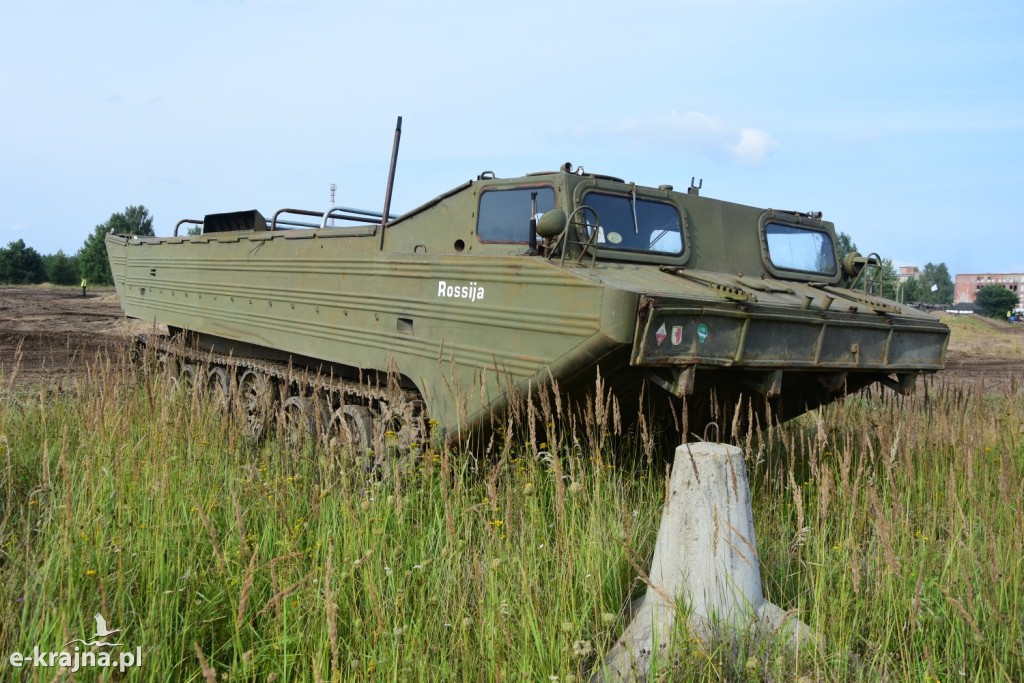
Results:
<point x="800" y="249"/>
<point x="633" y="224"/>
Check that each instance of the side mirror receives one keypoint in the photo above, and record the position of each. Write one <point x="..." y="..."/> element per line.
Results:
<point x="551" y="224"/>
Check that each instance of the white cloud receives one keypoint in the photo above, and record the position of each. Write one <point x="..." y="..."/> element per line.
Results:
<point x="754" y="145"/>
<point x="673" y="123"/>
<point x="698" y="132"/>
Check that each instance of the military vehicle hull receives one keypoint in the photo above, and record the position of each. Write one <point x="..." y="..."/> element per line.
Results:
<point x="462" y="321"/>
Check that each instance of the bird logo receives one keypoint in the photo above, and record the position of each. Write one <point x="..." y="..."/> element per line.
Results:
<point x="101" y="632"/>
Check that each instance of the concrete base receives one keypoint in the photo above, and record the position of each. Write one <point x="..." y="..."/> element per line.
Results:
<point x="706" y="558"/>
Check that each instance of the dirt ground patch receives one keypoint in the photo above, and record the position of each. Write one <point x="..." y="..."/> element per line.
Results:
<point x="982" y="350"/>
<point x="51" y="333"/>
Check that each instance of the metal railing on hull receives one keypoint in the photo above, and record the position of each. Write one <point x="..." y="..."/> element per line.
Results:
<point x="341" y="213"/>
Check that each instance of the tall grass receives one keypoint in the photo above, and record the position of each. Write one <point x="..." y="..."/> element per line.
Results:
<point x="893" y="526"/>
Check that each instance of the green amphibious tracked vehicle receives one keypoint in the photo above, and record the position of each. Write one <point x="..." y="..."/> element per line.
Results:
<point x="360" y="319"/>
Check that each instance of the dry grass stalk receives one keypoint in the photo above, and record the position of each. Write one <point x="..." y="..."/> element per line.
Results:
<point x="243" y="542"/>
<point x="668" y="486"/>
<point x="546" y="414"/>
<point x="222" y="564"/>
<point x="243" y="602"/>
<point x="446" y="495"/>
<point x="634" y="562"/>
<point x="750" y="556"/>
<point x="798" y="502"/>
<point x="855" y="577"/>
<point x="332" y="611"/>
<point x="915" y="605"/>
<point x="556" y="470"/>
<point x="531" y="418"/>
<point x="962" y="611"/>
<point x="209" y="673"/>
<point x="496" y="470"/>
<point x="277" y="598"/>
<point x="884" y="529"/>
<point x="825" y="488"/>
<point x="714" y="530"/>
<point x="274" y="585"/>
<point x="377" y="611"/>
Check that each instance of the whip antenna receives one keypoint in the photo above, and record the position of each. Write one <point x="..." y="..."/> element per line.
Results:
<point x="391" y="180"/>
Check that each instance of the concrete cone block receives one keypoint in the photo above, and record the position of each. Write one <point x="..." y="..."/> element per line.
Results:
<point x="770" y="619"/>
<point x="705" y="557"/>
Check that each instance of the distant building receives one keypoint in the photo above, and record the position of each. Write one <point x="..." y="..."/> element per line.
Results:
<point x="967" y="286"/>
<point x="907" y="272"/>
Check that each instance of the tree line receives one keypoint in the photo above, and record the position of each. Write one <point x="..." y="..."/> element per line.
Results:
<point x="21" y="264"/>
<point x="932" y="285"/>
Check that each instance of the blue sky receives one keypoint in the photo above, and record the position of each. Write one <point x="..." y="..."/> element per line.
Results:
<point x="902" y="121"/>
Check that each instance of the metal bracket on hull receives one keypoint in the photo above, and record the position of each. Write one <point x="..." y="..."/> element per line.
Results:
<point x="681" y="383"/>
<point x="902" y="384"/>
<point x="767" y="384"/>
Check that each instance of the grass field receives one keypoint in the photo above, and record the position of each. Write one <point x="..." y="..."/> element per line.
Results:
<point x="893" y="526"/>
<point x="975" y="335"/>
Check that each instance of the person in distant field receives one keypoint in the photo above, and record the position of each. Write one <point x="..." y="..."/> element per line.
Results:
<point x="85" y="284"/>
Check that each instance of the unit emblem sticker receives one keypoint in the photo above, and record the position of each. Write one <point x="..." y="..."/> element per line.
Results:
<point x="661" y="334"/>
<point x="702" y="332"/>
<point x="677" y="335"/>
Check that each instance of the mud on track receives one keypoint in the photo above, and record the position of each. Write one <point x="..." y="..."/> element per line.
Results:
<point x="50" y="334"/>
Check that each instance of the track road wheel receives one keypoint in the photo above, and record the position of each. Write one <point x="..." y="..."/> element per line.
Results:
<point x="218" y="386"/>
<point x="167" y="367"/>
<point x="302" y="418"/>
<point x="350" y="435"/>
<point x="398" y="433"/>
<point x="254" y="404"/>
<point x="186" y="379"/>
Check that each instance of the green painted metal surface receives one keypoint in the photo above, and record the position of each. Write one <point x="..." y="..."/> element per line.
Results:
<point x="675" y="290"/>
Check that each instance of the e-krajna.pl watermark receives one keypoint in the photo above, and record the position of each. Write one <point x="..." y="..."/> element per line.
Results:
<point x="77" y="658"/>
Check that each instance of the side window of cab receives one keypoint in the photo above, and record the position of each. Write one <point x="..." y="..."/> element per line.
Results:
<point x="504" y="214"/>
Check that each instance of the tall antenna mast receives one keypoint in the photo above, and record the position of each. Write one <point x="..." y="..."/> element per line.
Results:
<point x="391" y="182"/>
<point x="333" y="188"/>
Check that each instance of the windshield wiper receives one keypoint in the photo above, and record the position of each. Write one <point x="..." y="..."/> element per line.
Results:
<point x="657" y="239"/>
<point x="632" y="203"/>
